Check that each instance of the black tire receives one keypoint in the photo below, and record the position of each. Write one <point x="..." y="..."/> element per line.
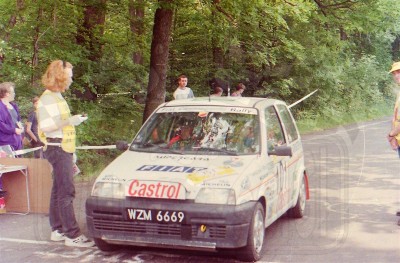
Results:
<point x="104" y="246"/>
<point x="255" y="240"/>
<point x="298" y="210"/>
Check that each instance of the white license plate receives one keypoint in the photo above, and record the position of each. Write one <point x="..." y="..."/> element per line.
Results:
<point x="153" y="215"/>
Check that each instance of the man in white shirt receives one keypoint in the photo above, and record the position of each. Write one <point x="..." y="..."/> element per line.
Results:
<point x="183" y="92"/>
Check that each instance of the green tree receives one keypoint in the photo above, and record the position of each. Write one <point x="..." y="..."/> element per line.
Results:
<point x="159" y="57"/>
<point x="122" y="49"/>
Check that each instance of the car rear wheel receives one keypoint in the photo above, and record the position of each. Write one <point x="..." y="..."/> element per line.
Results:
<point x="298" y="210"/>
<point x="104" y="246"/>
<point x="255" y="240"/>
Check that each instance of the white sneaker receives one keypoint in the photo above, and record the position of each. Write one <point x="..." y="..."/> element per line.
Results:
<point x="80" y="241"/>
<point x="57" y="235"/>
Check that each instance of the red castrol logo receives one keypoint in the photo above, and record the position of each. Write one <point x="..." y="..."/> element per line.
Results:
<point x="151" y="189"/>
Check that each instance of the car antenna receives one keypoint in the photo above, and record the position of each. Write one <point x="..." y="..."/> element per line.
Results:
<point x="300" y="100"/>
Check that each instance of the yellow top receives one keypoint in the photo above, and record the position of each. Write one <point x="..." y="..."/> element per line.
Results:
<point x="68" y="131"/>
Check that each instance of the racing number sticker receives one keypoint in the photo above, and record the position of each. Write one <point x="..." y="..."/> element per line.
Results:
<point x="282" y="177"/>
<point x="283" y="188"/>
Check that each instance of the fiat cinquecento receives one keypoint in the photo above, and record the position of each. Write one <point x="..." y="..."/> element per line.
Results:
<point x="202" y="174"/>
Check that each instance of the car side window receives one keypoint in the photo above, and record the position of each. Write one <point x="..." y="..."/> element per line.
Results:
<point x="274" y="129"/>
<point x="288" y="123"/>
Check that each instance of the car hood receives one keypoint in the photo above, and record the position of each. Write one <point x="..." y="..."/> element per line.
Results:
<point x="191" y="171"/>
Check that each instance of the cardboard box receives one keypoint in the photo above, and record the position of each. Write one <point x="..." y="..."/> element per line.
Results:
<point x="39" y="182"/>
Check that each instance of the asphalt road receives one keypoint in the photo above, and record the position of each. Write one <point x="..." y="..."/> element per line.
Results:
<point x="355" y="192"/>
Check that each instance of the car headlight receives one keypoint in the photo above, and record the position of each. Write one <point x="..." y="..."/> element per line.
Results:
<point x="109" y="190"/>
<point x="216" y="196"/>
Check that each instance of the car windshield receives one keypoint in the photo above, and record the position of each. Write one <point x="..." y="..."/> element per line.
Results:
<point x="219" y="131"/>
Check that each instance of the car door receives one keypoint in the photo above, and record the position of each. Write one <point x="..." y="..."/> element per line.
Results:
<point x="276" y="138"/>
<point x="292" y="136"/>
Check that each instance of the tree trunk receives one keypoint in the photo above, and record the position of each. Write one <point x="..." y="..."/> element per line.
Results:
<point x="11" y="23"/>
<point x="159" y="57"/>
<point x="136" y="18"/>
<point x="35" y="57"/>
<point x="218" y="54"/>
<point x="396" y="49"/>
<point x="89" y="36"/>
<point x="92" y="28"/>
<point x="13" y="19"/>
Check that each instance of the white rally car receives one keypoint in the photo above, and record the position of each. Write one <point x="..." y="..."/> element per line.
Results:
<point x="202" y="174"/>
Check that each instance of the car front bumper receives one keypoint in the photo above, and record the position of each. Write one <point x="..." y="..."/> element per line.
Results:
<point x="206" y="227"/>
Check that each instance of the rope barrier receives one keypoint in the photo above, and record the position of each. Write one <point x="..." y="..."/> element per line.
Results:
<point x="25" y="151"/>
<point x="113" y="94"/>
<point x="96" y="147"/>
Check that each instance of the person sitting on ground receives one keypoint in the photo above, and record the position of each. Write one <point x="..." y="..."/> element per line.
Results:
<point x="239" y="90"/>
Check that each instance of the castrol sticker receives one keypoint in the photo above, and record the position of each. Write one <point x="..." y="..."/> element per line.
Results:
<point x="153" y="189"/>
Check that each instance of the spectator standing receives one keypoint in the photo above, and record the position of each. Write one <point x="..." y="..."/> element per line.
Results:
<point x="239" y="90"/>
<point x="395" y="131"/>
<point x="183" y="92"/>
<point x="11" y="128"/>
<point x="56" y="129"/>
<point x="217" y="92"/>
<point x="32" y="129"/>
<point x="10" y="123"/>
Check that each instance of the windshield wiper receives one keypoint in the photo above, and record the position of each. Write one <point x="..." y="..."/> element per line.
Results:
<point x="163" y="148"/>
<point x="209" y="149"/>
<point x="147" y="145"/>
<point x="140" y="145"/>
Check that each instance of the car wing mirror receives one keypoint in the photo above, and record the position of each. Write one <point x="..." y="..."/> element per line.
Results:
<point x="281" y="151"/>
<point x="122" y="145"/>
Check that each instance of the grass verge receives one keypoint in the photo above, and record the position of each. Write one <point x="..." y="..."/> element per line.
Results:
<point x="319" y="123"/>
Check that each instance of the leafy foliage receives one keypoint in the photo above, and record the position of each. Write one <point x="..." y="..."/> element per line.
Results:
<point x="280" y="49"/>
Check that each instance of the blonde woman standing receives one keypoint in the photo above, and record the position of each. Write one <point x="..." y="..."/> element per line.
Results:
<point x="56" y="129"/>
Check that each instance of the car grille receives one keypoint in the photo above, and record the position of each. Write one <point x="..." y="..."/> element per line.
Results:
<point x="112" y="222"/>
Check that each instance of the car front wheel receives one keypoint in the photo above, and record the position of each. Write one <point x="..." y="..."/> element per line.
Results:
<point x="255" y="240"/>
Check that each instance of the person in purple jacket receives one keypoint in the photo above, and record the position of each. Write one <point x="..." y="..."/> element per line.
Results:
<point x="11" y="128"/>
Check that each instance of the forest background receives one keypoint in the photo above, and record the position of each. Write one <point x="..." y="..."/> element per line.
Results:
<point x="127" y="55"/>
